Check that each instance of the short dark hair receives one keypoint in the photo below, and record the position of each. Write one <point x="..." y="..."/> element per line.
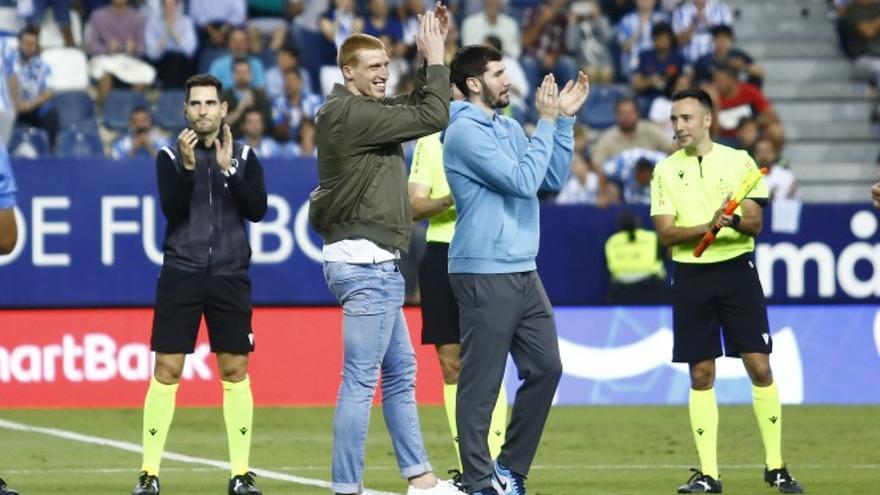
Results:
<point x="493" y="41"/>
<point x="138" y="109"/>
<point x="727" y="69"/>
<point x="470" y="61"/>
<point x="623" y="100"/>
<point x="241" y="60"/>
<point x="722" y="29"/>
<point x="644" y="164"/>
<point x="203" y="80"/>
<point x="29" y="30"/>
<point x="662" y="28"/>
<point x="698" y="94"/>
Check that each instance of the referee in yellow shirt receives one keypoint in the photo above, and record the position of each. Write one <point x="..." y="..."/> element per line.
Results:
<point x="430" y="197"/>
<point x="717" y="298"/>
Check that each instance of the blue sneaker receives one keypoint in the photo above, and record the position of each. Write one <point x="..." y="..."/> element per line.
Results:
<point x="506" y="482"/>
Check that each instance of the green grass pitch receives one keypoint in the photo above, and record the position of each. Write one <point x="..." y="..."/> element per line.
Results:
<point x="585" y="450"/>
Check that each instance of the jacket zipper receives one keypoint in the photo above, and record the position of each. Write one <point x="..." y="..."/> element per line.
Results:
<point x="211" y="215"/>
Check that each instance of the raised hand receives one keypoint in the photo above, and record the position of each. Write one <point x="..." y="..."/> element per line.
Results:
<point x="224" y="148"/>
<point x="547" y="98"/>
<point x="187" y="140"/>
<point x="442" y="15"/>
<point x="430" y="41"/>
<point x="573" y="95"/>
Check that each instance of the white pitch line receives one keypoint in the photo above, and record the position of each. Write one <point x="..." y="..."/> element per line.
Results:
<point x="131" y="447"/>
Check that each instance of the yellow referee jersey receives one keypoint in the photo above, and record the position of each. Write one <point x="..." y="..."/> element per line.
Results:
<point x="427" y="169"/>
<point x="692" y="190"/>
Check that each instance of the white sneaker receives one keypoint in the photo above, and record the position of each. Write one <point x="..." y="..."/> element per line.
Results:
<point x="443" y="487"/>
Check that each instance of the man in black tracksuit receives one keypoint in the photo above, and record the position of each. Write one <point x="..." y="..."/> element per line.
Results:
<point x="208" y="187"/>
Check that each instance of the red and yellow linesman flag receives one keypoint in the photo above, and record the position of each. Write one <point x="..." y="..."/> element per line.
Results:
<point x="748" y="183"/>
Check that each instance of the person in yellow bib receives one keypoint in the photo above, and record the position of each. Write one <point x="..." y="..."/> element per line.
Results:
<point x="717" y="296"/>
<point x="430" y="197"/>
<point x="635" y="264"/>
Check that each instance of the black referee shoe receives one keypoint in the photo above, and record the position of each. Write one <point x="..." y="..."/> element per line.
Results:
<point x="783" y="481"/>
<point x="243" y="484"/>
<point x="701" y="483"/>
<point x="5" y="490"/>
<point x="147" y="484"/>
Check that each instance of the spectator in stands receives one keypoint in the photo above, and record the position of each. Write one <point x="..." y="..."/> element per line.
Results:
<point x="116" y="48"/>
<point x="243" y="96"/>
<point x="692" y="23"/>
<point x="659" y="67"/>
<point x="862" y="25"/>
<point x="637" y="189"/>
<point x="585" y="185"/>
<point x="142" y="138"/>
<point x="875" y="194"/>
<point x="215" y="20"/>
<point x="735" y="100"/>
<point x="253" y="132"/>
<point x="409" y="12"/>
<point x="387" y="27"/>
<point x="340" y="22"/>
<point x="629" y="132"/>
<point x="724" y="53"/>
<point x="286" y="59"/>
<point x="544" y="43"/>
<point x="236" y="46"/>
<point x="268" y="18"/>
<point x="589" y="35"/>
<point x="661" y="107"/>
<point x="170" y="42"/>
<point x="634" y="34"/>
<point x="780" y="181"/>
<point x="492" y="21"/>
<point x="635" y="264"/>
<point x="621" y="169"/>
<point x="306" y="146"/>
<point x="747" y="133"/>
<point x="28" y="86"/>
<point x="33" y="12"/>
<point x="292" y="108"/>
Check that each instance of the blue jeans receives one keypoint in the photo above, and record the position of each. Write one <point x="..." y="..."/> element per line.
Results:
<point x="375" y="337"/>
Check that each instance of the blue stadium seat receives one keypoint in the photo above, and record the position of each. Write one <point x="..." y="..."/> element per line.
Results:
<point x="118" y="107"/>
<point x="168" y="113"/>
<point x="75" y="108"/>
<point x="207" y="56"/>
<point x="79" y="142"/>
<point x="29" y="142"/>
<point x="598" y="112"/>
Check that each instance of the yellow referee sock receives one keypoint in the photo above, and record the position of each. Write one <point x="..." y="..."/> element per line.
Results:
<point x="449" y="392"/>
<point x="704" y="424"/>
<point x="238" y="411"/>
<point x="498" y="426"/>
<point x="158" y="412"/>
<point x="768" y="411"/>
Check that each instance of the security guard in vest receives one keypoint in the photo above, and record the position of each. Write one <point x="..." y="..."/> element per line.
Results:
<point x="635" y="264"/>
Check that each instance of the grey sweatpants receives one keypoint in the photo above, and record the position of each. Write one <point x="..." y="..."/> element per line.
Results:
<point x="503" y="313"/>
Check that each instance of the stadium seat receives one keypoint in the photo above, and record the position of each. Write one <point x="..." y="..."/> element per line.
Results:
<point x="10" y="22"/>
<point x="168" y="113"/>
<point x="69" y="69"/>
<point x="29" y="142"/>
<point x="79" y="142"/>
<point x="598" y="112"/>
<point x="75" y="108"/>
<point x="118" y="107"/>
<point x="207" y="57"/>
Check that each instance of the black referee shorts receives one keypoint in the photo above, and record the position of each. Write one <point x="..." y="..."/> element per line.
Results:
<point x="440" y="323"/>
<point x="182" y="298"/>
<point x="718" y="302"/>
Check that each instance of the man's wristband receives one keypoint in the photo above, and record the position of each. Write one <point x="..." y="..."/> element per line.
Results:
<point x="735" y="222"/>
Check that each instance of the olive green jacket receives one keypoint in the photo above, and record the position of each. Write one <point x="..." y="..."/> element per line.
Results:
<point x="362" y="191"/>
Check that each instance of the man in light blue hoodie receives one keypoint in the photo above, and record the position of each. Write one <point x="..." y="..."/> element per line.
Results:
<point x="495" y="173"/>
